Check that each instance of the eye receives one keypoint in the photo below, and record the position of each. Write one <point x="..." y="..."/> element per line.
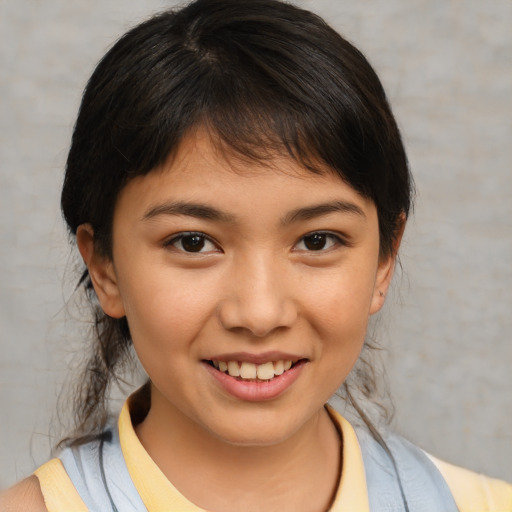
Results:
<point x="193" y="243"/>
<point x="318" y="241"/>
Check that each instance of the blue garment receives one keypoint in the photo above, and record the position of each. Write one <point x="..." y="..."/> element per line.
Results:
<point x="99" y="473"/>
<point x="418" y="479"/>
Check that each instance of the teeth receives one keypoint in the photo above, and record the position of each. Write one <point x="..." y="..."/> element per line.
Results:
<point x="245" y="370"/>
<point x="233" y="369"/>
<point x="279" y="367"/>
<point x="248" y="370"/>
<point x="265" y="371"/>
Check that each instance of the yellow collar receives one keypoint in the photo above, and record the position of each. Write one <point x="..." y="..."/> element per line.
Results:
<point x="158" y="493"/>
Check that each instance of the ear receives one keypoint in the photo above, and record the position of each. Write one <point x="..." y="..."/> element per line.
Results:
<point x="102" y="273"/>
<point x="386" y="269"/>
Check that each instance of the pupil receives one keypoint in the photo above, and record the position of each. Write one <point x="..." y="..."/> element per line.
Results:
<point x="315" y="242"/>
<point x="192" y="243"/>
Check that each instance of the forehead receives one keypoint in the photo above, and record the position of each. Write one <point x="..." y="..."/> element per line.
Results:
<point x="202" y="147"/>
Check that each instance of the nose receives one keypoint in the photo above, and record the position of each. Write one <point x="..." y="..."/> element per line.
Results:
<point x="259" y="299"/>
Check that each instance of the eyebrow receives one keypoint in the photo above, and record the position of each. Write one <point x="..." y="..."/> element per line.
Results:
<point x="310" y="212"/>
<point x="200" y="211"/>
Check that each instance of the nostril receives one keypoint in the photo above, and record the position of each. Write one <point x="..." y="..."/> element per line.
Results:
<point x="258" y="314"/>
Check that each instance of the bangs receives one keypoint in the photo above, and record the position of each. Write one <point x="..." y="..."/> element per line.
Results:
<point x="255" y="127"/>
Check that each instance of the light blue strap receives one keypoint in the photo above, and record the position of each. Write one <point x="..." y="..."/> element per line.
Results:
<point x="83" y="465"/>
<point x="423" y="486"/>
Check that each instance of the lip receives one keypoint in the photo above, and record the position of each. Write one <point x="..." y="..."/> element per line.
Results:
<point x="254" y="391"/>
<point x="256" y="358"/>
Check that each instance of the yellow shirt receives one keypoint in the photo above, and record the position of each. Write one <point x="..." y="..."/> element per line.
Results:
<point x="472" y="492"/>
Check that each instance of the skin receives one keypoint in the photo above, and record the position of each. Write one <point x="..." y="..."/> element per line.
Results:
<point x="255" y="287"/>
<point x="24" y="496"/>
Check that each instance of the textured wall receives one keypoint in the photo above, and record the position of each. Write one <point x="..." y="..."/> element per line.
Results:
<point x="447" y="69"/>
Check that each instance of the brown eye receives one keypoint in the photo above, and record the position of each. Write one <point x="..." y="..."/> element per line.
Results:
<point x="318" y="241"/>
<point x="315" y="242"/>
<point x="192" y="243"/>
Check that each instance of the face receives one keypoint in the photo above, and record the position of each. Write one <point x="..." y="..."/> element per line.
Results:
<point x="247" y="288"/>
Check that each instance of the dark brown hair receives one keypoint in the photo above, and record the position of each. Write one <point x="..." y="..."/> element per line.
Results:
<point x="263" y="77"/>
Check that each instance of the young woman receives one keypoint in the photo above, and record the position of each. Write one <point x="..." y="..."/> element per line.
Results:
<point x="237" y="188"/>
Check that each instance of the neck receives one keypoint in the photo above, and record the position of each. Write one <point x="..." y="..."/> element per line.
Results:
<point x="298" y="473"/>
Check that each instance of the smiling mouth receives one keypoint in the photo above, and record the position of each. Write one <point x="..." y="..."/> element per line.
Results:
<point x="243" y="370"/>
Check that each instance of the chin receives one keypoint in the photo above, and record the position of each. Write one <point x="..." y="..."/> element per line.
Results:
<point x="256" y="430"/>
<point x="254" y="438"/>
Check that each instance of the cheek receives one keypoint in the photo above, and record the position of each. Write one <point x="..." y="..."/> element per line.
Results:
<point x="339" y="314"/>
<point x="341" y="300"/>
<point x="166" y="311"/>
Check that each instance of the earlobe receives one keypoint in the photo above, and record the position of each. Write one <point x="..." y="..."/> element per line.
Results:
<point x="386" y="270"/>
<point x="102" y="273"/>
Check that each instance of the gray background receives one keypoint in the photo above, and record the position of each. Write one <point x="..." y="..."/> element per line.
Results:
<point x="447" y="67"/>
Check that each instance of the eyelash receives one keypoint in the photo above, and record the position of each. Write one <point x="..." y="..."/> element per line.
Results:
<point x="204" y="239"/>
<point x="336" y="240"/>
<point x="190" y="234"/>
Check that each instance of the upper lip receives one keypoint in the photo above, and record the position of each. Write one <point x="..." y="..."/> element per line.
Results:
<point x="256" y="358"/>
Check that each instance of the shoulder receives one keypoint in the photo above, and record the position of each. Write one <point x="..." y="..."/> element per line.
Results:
<point x="60" y="494"/>
<point x="474" y="492"/>
<point x="25" y="496"/>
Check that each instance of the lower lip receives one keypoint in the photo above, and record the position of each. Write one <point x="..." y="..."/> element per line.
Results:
<point x="256" y="391"/>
